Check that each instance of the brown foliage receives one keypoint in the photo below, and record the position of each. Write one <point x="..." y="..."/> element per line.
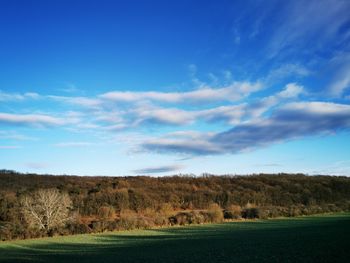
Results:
<point x="107" y="203"/>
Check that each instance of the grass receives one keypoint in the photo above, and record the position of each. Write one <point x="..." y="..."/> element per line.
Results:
<point x="323" y="238"/>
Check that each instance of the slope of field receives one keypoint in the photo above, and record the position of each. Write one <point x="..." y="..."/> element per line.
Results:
<point x="305" y="239"/>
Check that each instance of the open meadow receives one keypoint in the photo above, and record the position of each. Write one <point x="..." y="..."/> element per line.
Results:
<point x="321" y="238"/>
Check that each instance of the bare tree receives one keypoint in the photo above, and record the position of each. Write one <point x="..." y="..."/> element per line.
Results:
<point x="46" y="209"/>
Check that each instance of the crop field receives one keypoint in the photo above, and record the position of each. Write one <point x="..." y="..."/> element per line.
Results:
<point x="324" y="238"/>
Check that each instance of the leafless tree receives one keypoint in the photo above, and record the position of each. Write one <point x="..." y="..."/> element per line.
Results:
<point x="46" y="209"/>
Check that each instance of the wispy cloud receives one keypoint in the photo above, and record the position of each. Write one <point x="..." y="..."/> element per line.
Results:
<point x="11" y="135"/>
<point x="70" y="88"/>
<point x="105" y="115"/>
<point x="36" y="165"/>
<point x="269" y="165"/>
<point x="233" y="92"/>
<point x="340" y="82"/>
<point x="81" y="101"/>
<point x="291" y="121"/>
<point x="306" y="23"/>
<point x="10" y="147"/>
<point x="30" y="119"/>
<point x="159" y="169"/>
<point x="158" y="115"/>
<point x="285" y="71"/>
<point x="183" y="142"/>
<point x="263" y="121"/>
<point x="294" y="120"/>
<point x="74" y="144"/>
<point x="336" y="168"/>
<point x="5" y="96"/>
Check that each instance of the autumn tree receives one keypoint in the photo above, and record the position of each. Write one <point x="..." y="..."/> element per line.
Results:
<point x="46" y="209"/>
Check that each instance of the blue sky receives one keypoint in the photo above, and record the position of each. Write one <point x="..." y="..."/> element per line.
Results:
<point x="167" y="87"/>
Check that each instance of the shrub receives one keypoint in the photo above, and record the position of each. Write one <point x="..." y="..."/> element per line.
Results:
<point x="233" y="212"/>
<point x="128" y="219"/>
<point x="215" y="213"/>
<point x="165" y="209"/>
<point x="78" y="228"/>
<point x="183" y="218"/>
<point x="131" y="220"/>
<point x="250" y="211"/>
<point x="10" y="231"/>
<point x="294" y="211"/>
<point x="198" y="217"/>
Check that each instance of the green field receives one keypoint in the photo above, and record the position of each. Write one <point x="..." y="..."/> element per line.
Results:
<point x="323" y="238"/>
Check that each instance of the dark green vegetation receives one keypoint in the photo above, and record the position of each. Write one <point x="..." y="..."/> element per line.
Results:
<point x="117" y="203"/>
<point x="323" y="238"/>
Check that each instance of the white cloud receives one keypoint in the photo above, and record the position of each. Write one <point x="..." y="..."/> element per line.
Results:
<point x="291" y="121"/>
<point x="227" y="114"/>
<point x="31" y="119"/>
<point x="4" y="96"/>
<point x="81" y="101"/>
<point x="111" y="117"/>
<point x="233" y="92"/>
<point x="319" y="108"/>
<point x="291" y="90"/>
<point x="105" y="114"/>
<point x="170" y="116"/>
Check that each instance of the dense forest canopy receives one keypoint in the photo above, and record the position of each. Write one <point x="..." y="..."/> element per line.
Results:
<point x="108" y="203"/>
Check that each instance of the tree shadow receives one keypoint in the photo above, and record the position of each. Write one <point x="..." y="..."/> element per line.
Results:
<point x="299" y="240"/>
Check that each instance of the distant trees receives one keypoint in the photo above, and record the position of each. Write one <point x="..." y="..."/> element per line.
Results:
<point x="34" y="205"/>
<point x="46" y="209"/>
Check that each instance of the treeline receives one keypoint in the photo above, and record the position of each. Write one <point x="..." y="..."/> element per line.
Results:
<point x="111" y="203"/>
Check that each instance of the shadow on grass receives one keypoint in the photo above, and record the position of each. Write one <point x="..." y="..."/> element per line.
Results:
<point x="309" y="239"/>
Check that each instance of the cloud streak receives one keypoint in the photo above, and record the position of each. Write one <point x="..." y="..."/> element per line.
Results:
<point x="308" y="22"/>
<point x="80" y="101"/>
<point x="340" y="81"/>
<point x="246" y="125"/>
<point x="73" y="144"/>
<point x="30" y="120"/>
<point x="291" y="121"/>
<point x="5" y="96"/>
<point x="9" y="147"/>
<point x="233" y="92"/>
<point x="36" y="165"/>
<point x="110" y="116"/>
<point x="158" y="169"/>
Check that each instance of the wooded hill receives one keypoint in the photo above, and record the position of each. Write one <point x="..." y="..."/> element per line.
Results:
<point x="109" y="203"/>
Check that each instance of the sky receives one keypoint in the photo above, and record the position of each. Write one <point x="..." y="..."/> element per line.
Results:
<point x="167" y="87"/>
